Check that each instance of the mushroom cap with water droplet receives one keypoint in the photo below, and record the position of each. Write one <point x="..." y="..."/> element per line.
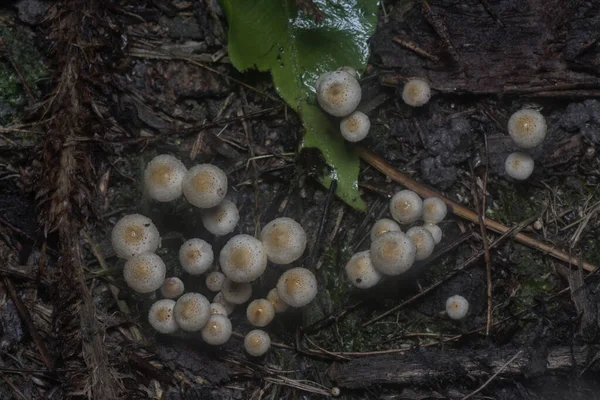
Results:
<point x="519" y="165"/>
<point x="260" y="312"/>
<point x="527" y="128"/>
<point x="162" y="316"/>
<point x="196" y="256"/>
<point x="360" y="271"/>
<point x="243" y="258"/>
<point x="297" y="286"/>
<point x="134" y="234"/>
<point x="457" y="307"/>
<point x="236" y="292"/>
<point x="355" y="127"/>
<point x="257" y="342"/>
<point x="192" y="311"/>
<point x="382" y="226"/>
<point x="205" y="185"/>
<point x="217" y="330"/>
<point x="423" y="241"/>
<point x="436" y="231"/>
<point x="214" y="281"/>
<point x="416" y="92"/>
<point x="172" y="288"/>
<point x="145" y="272"/>
<point x="278" y="304"/>
<point x="406" y="207"/>
<point x="163" y="178"/>
<point x="220" y="299"/>
<point x="284" y="240"/>
<point x="434" y="210"/>
<point x="393" y="253"/>
<point x="338" y="93"/>
<point x="222" y="219"/>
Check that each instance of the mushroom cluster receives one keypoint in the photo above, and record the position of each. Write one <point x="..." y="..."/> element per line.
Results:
<point x="393" y="252"/>
<point x="527" y="128"/>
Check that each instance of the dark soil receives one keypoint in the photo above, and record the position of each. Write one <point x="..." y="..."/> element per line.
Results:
<point x="91" y="91"/>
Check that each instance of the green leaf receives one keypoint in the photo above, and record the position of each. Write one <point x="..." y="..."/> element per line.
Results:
<point x="272" y="35"/>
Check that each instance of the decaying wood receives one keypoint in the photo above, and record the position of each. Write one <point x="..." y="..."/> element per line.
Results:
<point x="425" y="366"/>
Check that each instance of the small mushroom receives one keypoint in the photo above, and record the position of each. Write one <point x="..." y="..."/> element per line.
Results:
<point x="360" y="271"/>
<point x="134" y="234"/>
<point x="172" y="288"/>
<point x="214" y="281"/>
<point x="355" y="127"/>
<point x="162" y="317"/>
<point x="236" y="293"/>
<point x="416" y="92"/>
<point x="406" y="207"/>
<point x="257" y="342"/>
<point x="205" y="186"/>
<point x="260" y="312"/>
<point x="434" y="210"/>
<point x="222" y="219"/>
<point x="243" y="258"/>
<point x="163" y="178"/>
<point x="435" y="231"/>
<point x="297" y="286"/>
<point x="382" y="226"/>
<point x="217" y="330"/>
<point x="519" y="165"/>
<point x="220" y="299"/>
<point x="457" y="307"/>
<point x="527" y="128"/>
<point x="192" y="311"/>
<point x="284" y="240"/>
<point x="278" y="304"/>
<point x="349" y="70"/>
<point x="145" y="272"/>
<point x="338" y="93"/>
<point x="196" y="256"/>
<point x="423" y="240"/>
<point x="393" y="253"/>
<point x="218" y="308"/>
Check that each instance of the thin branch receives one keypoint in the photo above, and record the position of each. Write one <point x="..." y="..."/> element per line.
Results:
<point x="494" y="376"/>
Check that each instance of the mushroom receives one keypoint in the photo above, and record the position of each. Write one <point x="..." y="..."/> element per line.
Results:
<point x="243" y="258"/>
<point x="134" y="234"/>
<point x="435" y="231"/>
<point x="382" y="226"/>
<point x="161" y="316"/>
<point x="406" y="207"/>
<point x="360" y="271"/>
<point x="220" y="299"/>
<point x="217" y="330"/>
<point x="335" y="391"/>
<point x="423" y="240"/>
<point x="257" y="342"/>
<point x="434" y="210"/>
<point x="355" y="127"/>
<point x="284" y="240"/>
<point x="172" y="288"/>
<point x="457" y="307"/>
<point x="349" y="70"/>
<point x="218" y="308"/>
<point x="416" y="92"/>
<point x="260" y="312"/>
<point x="163" y="177"/>
<point x="222" y="219"/>
<point x="519" y="166"/>
<point x="196" y="256"/>
<point x="338" y="93"/>
<point x="236" y="293"/>
<point x="278" y="304"/>
<point x="192" y="311"/>
<point x="297" y="286"/>
<point x="214" y="281"/>
<point x="393" y="253"/>
<point x="145" y="272"/>
<point x="527" y="128"/>
<point x="205" y="186"/>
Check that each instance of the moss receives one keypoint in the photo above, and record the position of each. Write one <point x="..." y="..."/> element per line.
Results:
<point x="515" y="204"/>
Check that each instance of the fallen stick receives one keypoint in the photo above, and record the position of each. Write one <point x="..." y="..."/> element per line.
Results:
<point x="382" y="166"/>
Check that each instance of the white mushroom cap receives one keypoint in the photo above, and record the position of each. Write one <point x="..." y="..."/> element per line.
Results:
<point x="360" y="271"/>
<point x="172" y="288"/>
<point x="243" y="258"/>
<point x="382" y="226"/>
<point x="222" y="219"/>
<point x="393" y="253"/>
<point x="145" y="272"/>
<point x="434" y="210"/>
<point x="217" y="330"/>
<point x="338" y="93"/>
<point x="257" y="342"/>
<point x="220" y="299"/>
<point x="192" y="311"/>
<point x="406" y="207"/>
<point x="214" y="281"/>
<point x="218" y="308"/>
<point x="297" y="286"/>
<point x="134" y="234"/>
<point x="416" y="92"/>
<point x="457" y="307"/>
<point x="236" y="293"/>
<point x="196" y="256"/>
<point x="260" y="312"/>
<point x="527" y="128"/>
<point x="423" y="240"/>
<point x="205" y="185"/>
<point x="278" y="304"/>
<point x="284" y="240"/>
<point x="162" y="317"/>
<point x="435" y="231"/>
<point x="163" y="178"/>
<point x="355" y="127"/>
<point x="519" y="165"/>
<point x="349" y="70"/>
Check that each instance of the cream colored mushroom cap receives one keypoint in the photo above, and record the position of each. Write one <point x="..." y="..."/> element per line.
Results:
<point x="257" y="342"/>
<point x="278" y="304"/>
<point x="218" y="308"/>
<point x="434" y="210"/>
<point x="172" y="288"/>
<point x="393" y="253"/>
<point x="162" y="317"/>
<point x="134" y="234"/>
<point x="297" y="286"/>
<point x="435" y="231"/>
<point x="416" y="92"/>
<point x="519" y="165"/>
<point x="527" y="128"/>
<point x="382" y="226"/>
<point x="192" y="311"/>
<point x="284" y="240"/>
<point x="196" y="256"/>
<point x="406" y="207"/>
<point x="205" y="186"/>
<point x="217" y="330"/>
<point x="214" y="281"/>
<point x="145" y="272"/>
<point x="360" y="271"/>
<point x="243" y="258"/>
<point x="220" y="299"/>
<point x="222" y="219"/>
<point x="423" y="240"/>
<point x="163" y="178"/>
<point x="236" y="292"/>
<point x="355" y="127"/>
<point x="260" y="312"/>
<point x="457" y="307"/>
<point x="338" y="93"/>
